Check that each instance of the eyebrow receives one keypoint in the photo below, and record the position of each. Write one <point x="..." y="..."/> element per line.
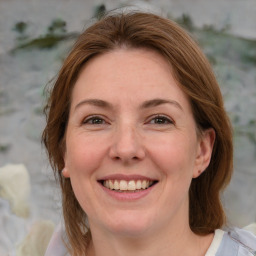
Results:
<point x="95" y="102"/>
<point x="157" y="102"/>
<point x="146" y="104"/>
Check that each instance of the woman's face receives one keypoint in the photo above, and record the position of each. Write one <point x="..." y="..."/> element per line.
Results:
<point x="131" y="144"/>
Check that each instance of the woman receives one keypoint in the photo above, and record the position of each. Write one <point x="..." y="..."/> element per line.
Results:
<point x="141" y="144"/>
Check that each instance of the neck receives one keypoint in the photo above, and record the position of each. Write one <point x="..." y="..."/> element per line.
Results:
<point x="164" y="242"/>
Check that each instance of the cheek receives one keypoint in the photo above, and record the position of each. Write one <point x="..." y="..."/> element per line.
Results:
<point x="83" y="155"/>
<point x="175" y="155"/>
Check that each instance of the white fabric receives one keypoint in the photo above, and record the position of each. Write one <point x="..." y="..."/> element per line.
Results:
<point x="251" y="228"/>
<point x="56" y="246"/>
<point x="218" y="235"/>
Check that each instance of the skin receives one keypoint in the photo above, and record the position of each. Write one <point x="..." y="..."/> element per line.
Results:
<point x="127" y="136"/>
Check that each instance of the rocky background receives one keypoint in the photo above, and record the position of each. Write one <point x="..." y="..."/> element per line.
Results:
<point x="35" y="36"/>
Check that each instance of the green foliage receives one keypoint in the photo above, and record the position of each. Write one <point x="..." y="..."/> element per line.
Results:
<point x="186" y="21"/>
<point x="20" y="27"/>
<point x="44" y="42"/>
<point x="47" y="41"/>
<point x="56" y="32"/>
<point x="99" y="11"/>
<point x="4" y="148"/>
<point x="58" y="26"/>
<point x="249" y="54"/>
<point x="211" y="58"/>
<point x="209" y="28"/>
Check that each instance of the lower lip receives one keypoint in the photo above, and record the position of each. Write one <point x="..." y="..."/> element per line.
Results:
<point x="129" y="196"/>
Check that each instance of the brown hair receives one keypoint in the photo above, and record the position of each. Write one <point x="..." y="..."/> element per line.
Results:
<point x="196" y="79"/>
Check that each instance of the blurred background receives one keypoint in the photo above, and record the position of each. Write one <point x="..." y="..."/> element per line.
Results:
<point x="35" y="37"/>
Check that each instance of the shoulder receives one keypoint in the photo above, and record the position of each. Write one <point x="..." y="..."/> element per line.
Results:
<point x="238" y="242"/>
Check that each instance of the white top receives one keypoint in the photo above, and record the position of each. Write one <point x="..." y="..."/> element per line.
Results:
<point x="218" y="235"/>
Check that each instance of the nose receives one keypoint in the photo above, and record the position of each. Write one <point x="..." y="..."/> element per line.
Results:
<point x="127" y="145"/>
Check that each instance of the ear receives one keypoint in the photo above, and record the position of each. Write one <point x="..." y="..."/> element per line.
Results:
<point x="65" y="172"/>
<point x="204" y="151"/>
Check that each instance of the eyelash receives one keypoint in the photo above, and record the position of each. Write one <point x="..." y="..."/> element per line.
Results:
<point x="165" y="120"/>
<point x="90" y="120"/>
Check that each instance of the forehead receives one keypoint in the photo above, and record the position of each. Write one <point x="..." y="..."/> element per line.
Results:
<point x="127" y="75"/>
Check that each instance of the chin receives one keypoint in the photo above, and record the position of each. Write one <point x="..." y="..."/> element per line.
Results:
<point x="129" y="225"/>
<point x="128" y="230"/>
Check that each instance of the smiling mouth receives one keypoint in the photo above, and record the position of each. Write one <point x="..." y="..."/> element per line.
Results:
<point x="125" y="186"/>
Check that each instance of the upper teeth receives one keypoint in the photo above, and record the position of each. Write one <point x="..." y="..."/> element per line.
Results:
<point x="131" y="185"/>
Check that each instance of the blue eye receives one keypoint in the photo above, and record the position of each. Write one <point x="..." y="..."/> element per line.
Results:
<point x="94" y="120"/>
<point x="161" y="120"/>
